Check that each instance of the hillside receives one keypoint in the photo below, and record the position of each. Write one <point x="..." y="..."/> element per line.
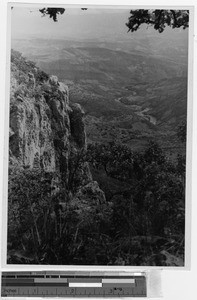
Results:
<point x="102" y="185"/>
<point x="97" y="140"/>
<point x="103" y="64"/>
<point x="50" y="184"/>
<point x="128" y="94"/>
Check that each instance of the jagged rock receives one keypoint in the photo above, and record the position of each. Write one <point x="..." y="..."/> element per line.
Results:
<point x="31" y="76"/>
<point x="40" y="127"/>
<point x="44" y="128"/>
<point x="32" y="134"/>
<point x="11" y="132"/>
<point x="63" y="88"/>
<point x="77" y="125"/>
<point x="36" y="126"/>
<point x="31" y="80"/>
<point x="53" y="80"/>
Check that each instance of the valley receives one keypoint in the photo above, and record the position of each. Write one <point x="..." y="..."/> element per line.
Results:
<point x="129" y="96"/>
<point x="97" y="146"/>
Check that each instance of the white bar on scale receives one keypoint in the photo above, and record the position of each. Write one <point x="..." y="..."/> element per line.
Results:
<point x="130" y="274"/>
<point x="85" y="284"/>
<point x="138" y="274"/>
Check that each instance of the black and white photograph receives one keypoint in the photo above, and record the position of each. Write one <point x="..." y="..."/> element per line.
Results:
<point x="98" y="103"/>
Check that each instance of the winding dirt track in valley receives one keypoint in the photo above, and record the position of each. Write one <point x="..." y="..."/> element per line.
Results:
<point x="141" y="113"/>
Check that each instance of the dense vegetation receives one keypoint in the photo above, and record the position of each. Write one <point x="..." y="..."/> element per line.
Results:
<point x="141" y="223"/>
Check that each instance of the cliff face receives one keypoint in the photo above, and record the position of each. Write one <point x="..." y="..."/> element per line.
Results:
<point x="44" y="128"/>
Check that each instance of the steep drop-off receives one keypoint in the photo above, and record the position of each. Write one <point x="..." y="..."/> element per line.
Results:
<point x="57" y="214"/>
<point x="41" y="120"/>
<point x="47" y="136"/>
<point x="46" y="132"/>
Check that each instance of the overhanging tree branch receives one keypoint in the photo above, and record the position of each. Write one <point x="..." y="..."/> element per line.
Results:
<point x="158" y="18"/>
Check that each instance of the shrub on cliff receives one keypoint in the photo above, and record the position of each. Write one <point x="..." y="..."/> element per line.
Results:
<point x="29" y="207"/>
<point x="45" y="227"/>
<point x="149" y="212"/>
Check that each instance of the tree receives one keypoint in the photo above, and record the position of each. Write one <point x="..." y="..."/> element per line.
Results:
<point x="29" y="209"/>
<point x="159" y="18"/>
<point x="53" y="12"/>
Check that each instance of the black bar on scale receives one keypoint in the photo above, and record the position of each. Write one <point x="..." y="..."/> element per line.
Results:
<point x="69" y="284"/>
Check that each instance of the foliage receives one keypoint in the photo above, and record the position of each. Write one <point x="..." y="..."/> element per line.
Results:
<point x="158" y="18"/>
<point x="47" y="227"/>
<point x="24" y="66"/>
<point x="29" y="204"/>
<point x="149" y="214"/>
<point x="52" y="12"/>
<point x="77" y="169"/>
<point x="116" y="159"/>
<point x="58" y="218"/>
<point x="182" y="132"/>
<point x="142" y="224"/>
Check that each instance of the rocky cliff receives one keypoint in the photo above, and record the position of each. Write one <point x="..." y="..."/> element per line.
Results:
<point x="45" y="130"/>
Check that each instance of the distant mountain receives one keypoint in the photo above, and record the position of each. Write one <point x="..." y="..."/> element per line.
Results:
<point x="130" y="92"/>
<point x="111" y="65"/>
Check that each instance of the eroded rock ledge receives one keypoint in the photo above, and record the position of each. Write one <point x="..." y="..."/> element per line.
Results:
<point x="44" y="127"/>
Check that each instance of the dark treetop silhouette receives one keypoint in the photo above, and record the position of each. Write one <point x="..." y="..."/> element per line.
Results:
<point x="159" y="18"/>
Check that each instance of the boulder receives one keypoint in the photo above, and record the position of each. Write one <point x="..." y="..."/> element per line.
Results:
<point x="53" y="80"/>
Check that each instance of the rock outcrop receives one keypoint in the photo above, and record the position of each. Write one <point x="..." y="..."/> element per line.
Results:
<point x="44" y="127"/>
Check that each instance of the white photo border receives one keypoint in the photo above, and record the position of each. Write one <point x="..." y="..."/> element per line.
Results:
<point x="187" y="266"/>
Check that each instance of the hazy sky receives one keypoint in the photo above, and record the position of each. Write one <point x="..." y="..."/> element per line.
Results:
<point x="73" y="23"/>
<point x="103" y="24"/>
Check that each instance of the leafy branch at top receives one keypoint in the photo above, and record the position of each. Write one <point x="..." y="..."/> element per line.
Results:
<point x="159" y="18"/>
<point x="52" y="12"/>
